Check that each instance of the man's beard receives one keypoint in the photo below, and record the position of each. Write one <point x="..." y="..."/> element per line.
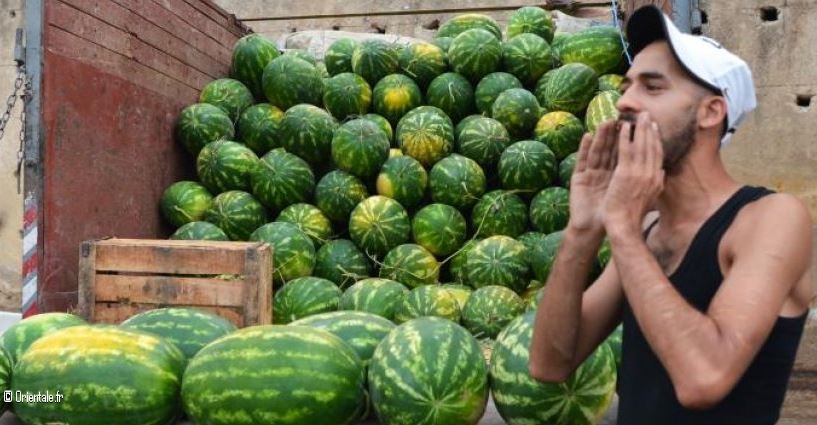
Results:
<point x="676" y="146"/>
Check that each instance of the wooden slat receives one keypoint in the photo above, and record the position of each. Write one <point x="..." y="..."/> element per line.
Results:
<point x="219" y="16"/>
<point x="166" y="290"/>
<point x="87" y="276"/>
<point x="170" y="258"/>
<point x="116" y="313"/>
<point x="258" y="286"/>
<point x="196" y="19"/>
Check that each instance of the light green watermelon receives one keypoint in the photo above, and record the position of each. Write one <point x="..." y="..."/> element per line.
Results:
<point x="200" y="124"/>
<point x="5" y="376"/>
<point x="19" y="336"/>
<point x="184" y="202"/>
<point x="475" y="53"/>
<point x="527" y="56"/>
<point x="374" y="59"/>
<point x="614" y="342"/>
<point x="601" y="108"/>
<point x="543" y="255"/>
<point x="403" y="179"/>
<point x="374" y="295"/>
<point x="226" y="165"/>
<point x="527" y="166"/>
<point x="457" y="181"/>
<point x="338" y="193"/>
<point x="341" y="262"/>
<point x="201" y="231"/>
<point x="611" y="82"/>
<point x="601" y="48"/>
<point x="232" y="96"/>
<point x="302" y="54"/>
<point x="550" y="209"/>
<point x="259" y="127"/>
<point x="489" y="309"/>
<point x="517" y="110"/>
<point x="456" y="267"/>
<point x="422" y="62"/>
<point x="540" y="88"/>
<point x="303" y="297"/>
<point x="360" y="148"/>
<point x="452" y="93"/>
<point x="570" y="88"/>
<point x="566" y="169"/>
<point x="395" y="95"/>
<point x="497" y="260"/>
<point x="237" y="213"/>
<point x="460" y="292"/>
<point x="362" y="331"/>
<point x="410" y="264"/>
<point x="378" y="224"/>
<point x="293" y="254"/>
<point x="426" y="134"/>
<point x="489" y="88"/>
<point x="289" y="80"/>
<point x="306" y="131"/>
<point x="533" y="20"/>
<point x="428" y="300"/>
<point x="466" y="21"/>
<point x="251" y="54"/>
<point x="347" y="94"/>
<point x="282" y="179"/>
<point x="338" y="57"/>
<point x="439" y="228"/>
<point x="561" y="131"/>
<point x="483" y="139"/>
<point x="500" y="212"/>
<point x="310" y="220"/>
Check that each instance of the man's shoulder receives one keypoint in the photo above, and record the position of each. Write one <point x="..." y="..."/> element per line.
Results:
<point x="776" y="213"/>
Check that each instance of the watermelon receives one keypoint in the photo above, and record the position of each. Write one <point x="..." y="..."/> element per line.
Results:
<point x="541" y="87"/>
<point x="457" y="268"/>
<point x="611" y="82"/>
<point x="230" y="95"/>
<point x="293" y="254"/>
<point x="103" y="374"/>
<point x="337" y="193"/>
<point x="282" y="179"/>
<point x="427" y="300"/>
<point x="200" y="124"/>
<point x="566" y="169"/>
<point x="289" y="80"/>
<point x="403" y="179"/>
<point x="531" y="20"/>
<point x="184" y="202"/>
<point x="457" y="181"/>
<point x="605" y="253"/>
<point x="237" y="213"/>
<point x="379" y="224"/>
<point x="475" y="53"/>
<point x="517" y="110"/>
<point x="383" y="123"/>
<point x="500" y="212"/>
<point x="374" y="59"/>
<point x="614" y="342"/>
<point x="459" y="292"/>
<point x="463" y="122"/>
<point x="362" y="331"/>
<point x="489" y="309"/>
<point x="497" y="260"/>
<point x="259" y="127"/>
<point x="527" y="166"/>
<point x="533" y="297"/>
<point x="527" y="56"/>
<point x="395" y="95"/>
<point x="347" y="94"/>
<point x="581" y="400"/>
<point x="226" y="165"/>
<point x="531" y="240"/>
<point x="410" y="264"/>
<point x="374" y="295"/>
<point x="303" y="297"/>
<point x="543" y="255"/>
<point x="443" y="43"/>
<point x="360" y="148"/>
<point x="302" y="54"/>
<point x="338" y="57"/>
<point x="199" y="231"/>
<point x="439" y="228"/>
<point x="570" y="88"/>
<point x="489" y="88"/>
<point x="426" y="134"/>
<point x="550" y="209"/>
<point x="483" y="139"/>
<point x="306" y="131"/>
<point x="422" y="62"/>
<point x="297" y="375"/>
<point x="428" y="371"/>
<point x="466" y="21"/>
<point x="19" y="336"/>
<point x="559" y="39"/>
<point x="601" y="48"/>
<point x="251" y="54"/>
<point x="453" y="94"/>
<point x="310" y="220"/>
<point x="5" y="376"/>
<point x="341" y="262"/>
<point x="561" y="131"/>
<point x="601" y="108"/>
<point x="189" y="329"/>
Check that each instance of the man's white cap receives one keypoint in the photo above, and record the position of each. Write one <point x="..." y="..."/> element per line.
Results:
<point x="706" y="61"/>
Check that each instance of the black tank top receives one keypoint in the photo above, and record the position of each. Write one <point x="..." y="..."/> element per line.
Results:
<point x="646" y="394"/>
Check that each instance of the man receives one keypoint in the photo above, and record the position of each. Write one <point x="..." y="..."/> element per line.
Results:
<point x="713" y="288"/>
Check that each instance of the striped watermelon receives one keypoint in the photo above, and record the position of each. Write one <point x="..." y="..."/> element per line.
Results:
<point x="475" y="53"/>
<point x="605" y="253"/>
<point x="428" y="300"/>
<point x="379" y="224"/>
<point x="303" y="297"/>
<point x="226" y="165"/>
<point x="489" y="309"/>
<point x="581" y="400"/>
<point x="347" y="94"/>
<point x="184" y="202"/>
<point x="439" y="228"/>
<point x="19" y="336"/>
<point x="341" y="262"/>
<point x="395" y="95"/>
<point x="310" y="220"/>
<point x="532" y="297"/>
<point x="374" y="59"/>
<point x="384" y="125"/>
<point x="302" y="54"/>
<point x="543" y="255"/>
<point x="517" y="110"/>
<point x="601" y="108"/>
<point x="527" y="166"/>
<point x="460" y="292"/>
<point x="614" y="342"/>
<point x="497" y="260"/>
<point x="601" y="48"/>
<point x="403" y="179"/>
<point x="527" y="56"/>
<point x="428" y="371"/>
<point x="5" y="376"/>
<point x="337" y="193"/>
<point x="533" y="20"/>
<point x="261" y="375"/>
<point x="611" y="82"/>
<point x="489" y="88"/>
<point x="374" y="295"/>
<point x="259" y="127"/>
<point x="566" y="169"/>
<point x="293" y="254"/>
<point x="230" y="95"/>
<point x="466" y="21"/>
<point x="561" y="131"/>
<point x="200" y="231"/>
<point x="410" y="264"/>
<point x="251" y="54"/>
<point x="570" y="88"/>
<point x="443" y="43"/>
<point x="106" y="375"/>
<point x="452" y="93"/>
<point x="463" y="122"/>
<point x="457" y="181"/>
<point x="201" y="123"/>
<point x="188" y="329"/>
<point x="289" y="80"/>
<point x="282" y="179"/>
<point x="362" y="331"/>
<point x="531" y="240"/>
<point x="360" y="148"/>
<point x="457" y="268"/>
<point x="237" y="213"/>
<point x="422" y="62"/>
<point x="500" y="212"/>
<point x="426" y="134"/>
<point x="338" y="57"/>
<point x="483" y="139"/>
<point x="550" y="209"/>
<point x="541" y="87"/>
<point x="306" y="131"/>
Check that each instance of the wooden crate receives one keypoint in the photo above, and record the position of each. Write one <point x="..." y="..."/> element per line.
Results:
<point x="121" y="277"/>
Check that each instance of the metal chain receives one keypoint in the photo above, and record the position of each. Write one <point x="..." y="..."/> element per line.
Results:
<point x="22" y="90"/>
<point x="19" y="82"/>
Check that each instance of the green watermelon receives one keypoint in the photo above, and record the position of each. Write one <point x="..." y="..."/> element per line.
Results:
<point x="517" y="110"/>
<point x="611" y="82"/>
<point x="466" y="21"/>
<point x="374" y="59"/>
<point x="395" y="95"/>
<point x="293" y="254"/>
<point x="601" y="48"/>
<point x="296" y="375"/>
<point x="362" y="331"/>
<point x="251" y="54"/>
<point x="237" y="213"/>
<point x="338" y="56"/>
<point x="184" y="202"/>
<point x="605" y="253"/>
<point x="541" y="86"/>
<point x="475" y="53"/>
<point x="561" y="131"/>
<point x="422" y="62"/>
<point x="559" y="39"/>
<point x="483" y="139"/>
<point x="550" y="209"/>
<point x="497" y="260"/>
<point x="527" y="56"/>
<point x="457" y="268"/>
<point x="303" y="297"/>
<point x="383" y="123"/>
<point x="439" y="228"/>
<point x="188" y="329"/>
<point x="103" y="374"/>
<point x="374" y="295"/>
<point x="500" y="212"/>
<point x="463" y="122"/>
<point x="428" y="371"/>
<point x="581" y="400"/>
<point x="614" y="342"/>
<point x="19" y="336"/>
<point x="544" y="253"/>
<point x="259" y="127"/>
<point x="360" y="148"/>
<point x="532" y="297"/>
<point x="601" y="108"/>
<point x="346" y="95"/>
<point x="428" y="300"/>
<point x="489" y="88"/>
<point x="282" y="179"/>
<point x="378" y="224"/>
<point x="531" y="240"/>
<point x="459" y="292"/>
<point x="443" y="43"/>
<point x="306" y="131"/>
<point x="338" y="193"/>
<point x="289" y="80"/>
<point x="527" y="166"/>
<point x="200" y="231"/>
<point x="410" y="264"/>
<point x="403" y="179"/>
<point x="426" y="134"/>
<point x="489" y="309"/>
<point x="226" y="165"/>
<point x="341" y="262"/>
<point x="5" y="376"/>
<point x="230" y="95"/>
<point x="533" y="20"/>
<point x="570" y="88"/>
<point x="302" y="54"/>
<point x="457" y="181"/>
<point x="310" y="220"/>
<point x="453" y="94"/>
<point x="566" y="169"/>
<point x="200" y="124"/>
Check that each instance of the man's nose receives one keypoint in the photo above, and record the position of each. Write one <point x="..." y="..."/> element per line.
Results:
<point x="628" y="102"/>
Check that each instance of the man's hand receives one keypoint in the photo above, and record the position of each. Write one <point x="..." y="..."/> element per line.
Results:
<point x="595" y="162"/>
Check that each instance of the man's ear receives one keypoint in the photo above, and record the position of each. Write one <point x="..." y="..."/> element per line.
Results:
<point x="712" y="112"/>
